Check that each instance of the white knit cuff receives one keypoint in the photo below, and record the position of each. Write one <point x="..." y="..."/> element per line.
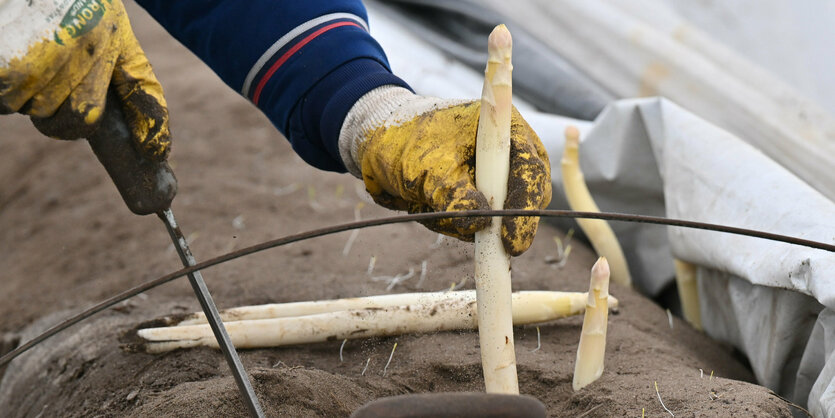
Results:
<point x="366" y="115"/>
<point x="387" y="105"/>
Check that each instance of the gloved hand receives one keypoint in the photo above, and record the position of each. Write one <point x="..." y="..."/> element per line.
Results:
<point x="417" y="154"/>
<point x="57" y="61"/>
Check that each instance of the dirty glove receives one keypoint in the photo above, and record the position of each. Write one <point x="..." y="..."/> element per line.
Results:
<point x="57" y="60"/>
<point x="417" y="154"/>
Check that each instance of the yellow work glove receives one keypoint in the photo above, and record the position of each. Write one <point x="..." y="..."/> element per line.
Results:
<point x="417" y="154"/>
<point x="58" y="59"/>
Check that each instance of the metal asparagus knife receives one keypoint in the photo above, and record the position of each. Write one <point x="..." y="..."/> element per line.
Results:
<point x="149" y="187"/>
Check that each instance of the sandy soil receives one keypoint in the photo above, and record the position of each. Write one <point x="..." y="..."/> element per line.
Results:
<point x="68" y="241"/>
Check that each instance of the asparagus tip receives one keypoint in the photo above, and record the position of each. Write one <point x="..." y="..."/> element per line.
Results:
<point x="600" y="270"/>
<point x="500" y="38"/>
<point x="600" y="277"/>
<point x="572" y="135"/>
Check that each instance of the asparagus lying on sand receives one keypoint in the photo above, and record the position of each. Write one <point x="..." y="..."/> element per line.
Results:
<point x="320" y="321"/>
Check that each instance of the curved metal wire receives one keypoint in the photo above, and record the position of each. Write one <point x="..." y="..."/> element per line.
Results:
<point x="392" y="220"/>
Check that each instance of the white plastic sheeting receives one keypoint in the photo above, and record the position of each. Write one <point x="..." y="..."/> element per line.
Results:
<point x="792" y="39"/>
<point x="774" y="301"/>
<point x="639" y="48"/>
<point x="650" y="156"/>
<point x="543" y="77"/>
<point x="711" y="176"/>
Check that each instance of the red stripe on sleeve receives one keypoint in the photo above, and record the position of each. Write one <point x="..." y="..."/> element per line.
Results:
<point x="290" y="52"/>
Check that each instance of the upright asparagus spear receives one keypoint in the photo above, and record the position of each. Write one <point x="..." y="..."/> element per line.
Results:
<point x="492" y="263"/>
<point x="592" y="348"/>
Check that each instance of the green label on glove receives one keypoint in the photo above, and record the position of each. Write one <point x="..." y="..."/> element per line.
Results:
<point x="80" y="18"/>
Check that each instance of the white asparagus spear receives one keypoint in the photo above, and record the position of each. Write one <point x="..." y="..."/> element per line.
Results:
<point x="598" y="231"/>
<point x="370" y="317"/>
<point x="553" y="305"/>
<point x="688" y="292"/>
<point x="492" y="263"/>
<point x="279" y="310"/>
<point x="592" y="349"/>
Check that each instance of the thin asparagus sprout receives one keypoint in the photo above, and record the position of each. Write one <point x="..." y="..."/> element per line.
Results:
<point x="385" y="369"/>
<point x="366" y="366"/>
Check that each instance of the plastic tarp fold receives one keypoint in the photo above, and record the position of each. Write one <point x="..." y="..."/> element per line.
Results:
<point x="711" y="176"/>
<point x="650" y="156"/>
<point x="460" y="29"/>
<point x="641" y="48"/>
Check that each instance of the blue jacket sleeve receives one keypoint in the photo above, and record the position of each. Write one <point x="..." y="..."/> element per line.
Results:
<point x="303" y="63"/>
